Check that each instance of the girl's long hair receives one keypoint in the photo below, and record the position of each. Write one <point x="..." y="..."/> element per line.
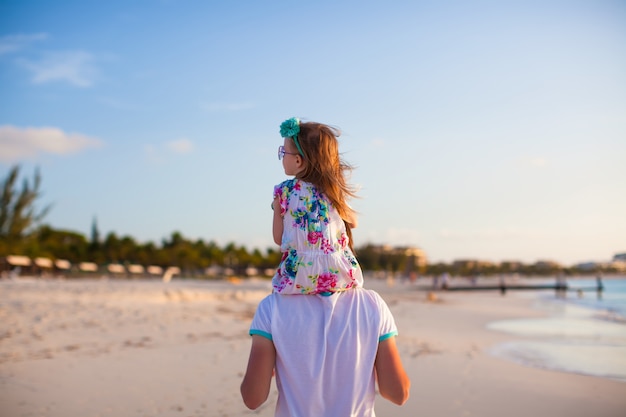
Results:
<point x="326" y="169"/>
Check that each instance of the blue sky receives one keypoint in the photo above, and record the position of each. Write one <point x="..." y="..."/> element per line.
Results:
<point x="479" y="129"/>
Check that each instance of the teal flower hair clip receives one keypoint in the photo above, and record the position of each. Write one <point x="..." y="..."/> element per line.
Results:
<point x="290" y="129"/>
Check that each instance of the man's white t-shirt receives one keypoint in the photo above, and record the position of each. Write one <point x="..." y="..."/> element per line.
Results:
<point x="325" y="350"/>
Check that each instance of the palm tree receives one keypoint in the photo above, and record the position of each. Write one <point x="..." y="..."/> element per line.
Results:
<point x="17" y="210"/>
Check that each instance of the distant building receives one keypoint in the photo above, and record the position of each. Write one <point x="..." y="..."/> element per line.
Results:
<point x="416" y="256"/>
<point x="547" y="265"/>
<point x="471" y="264"/>
<point x="620" y="257"/>
<point x="619" y="266"/>
<point x="588" y="266"/>
<point x="407" y="259"/>
<point x="511" y="266"/>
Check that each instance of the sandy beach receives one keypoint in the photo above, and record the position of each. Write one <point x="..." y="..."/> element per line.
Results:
<point x="107" y="347"/>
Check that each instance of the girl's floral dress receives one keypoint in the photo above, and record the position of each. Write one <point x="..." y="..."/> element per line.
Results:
<point x="316" y="258"/>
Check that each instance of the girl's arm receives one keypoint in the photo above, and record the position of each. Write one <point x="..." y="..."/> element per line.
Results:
<point x="255" y="387"/>
<point x="393" y="382"/>
<point x="277" y="224"/>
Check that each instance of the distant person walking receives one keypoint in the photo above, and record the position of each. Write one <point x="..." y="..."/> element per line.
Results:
<point x="327" y="339"/>
<point x="445" y="281"/>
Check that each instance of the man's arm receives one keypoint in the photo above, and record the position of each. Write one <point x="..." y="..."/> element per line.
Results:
<point x="255" y="387"/>
<point x="393" y="382"/>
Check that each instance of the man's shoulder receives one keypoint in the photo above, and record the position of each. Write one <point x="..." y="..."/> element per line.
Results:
<point x="366" y="292"/>
<point x="267" y="302"/>
<point x="355" y="295"/>
<point x="363" y="295"/>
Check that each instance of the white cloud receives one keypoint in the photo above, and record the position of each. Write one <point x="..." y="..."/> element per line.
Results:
<point x="182" y="145"/>
<point x="12" y="43"/>
<point x="74" y="67"/>
<point x="157" y="154"/>
<point x="27" y="143"/>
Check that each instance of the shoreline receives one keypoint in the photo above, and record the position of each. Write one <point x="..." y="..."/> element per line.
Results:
<point x="147" y="348"/>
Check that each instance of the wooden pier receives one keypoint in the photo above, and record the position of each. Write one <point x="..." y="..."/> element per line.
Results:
<point x="559" y="287"/>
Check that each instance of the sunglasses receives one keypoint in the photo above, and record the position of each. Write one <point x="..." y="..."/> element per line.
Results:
<point x="282" y="152"/>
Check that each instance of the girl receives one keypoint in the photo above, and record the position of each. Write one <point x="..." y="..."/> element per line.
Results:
<point x="312" y="219"/>
<point x="329" y="349"/>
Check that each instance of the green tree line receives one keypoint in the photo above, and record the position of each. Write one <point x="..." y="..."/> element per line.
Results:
<point x="23" y="233"/>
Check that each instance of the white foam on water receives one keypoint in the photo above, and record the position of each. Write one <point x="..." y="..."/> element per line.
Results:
<point x="588" y="359"/>
<point x="572" y="338"/>
<point x="563" y="327"/>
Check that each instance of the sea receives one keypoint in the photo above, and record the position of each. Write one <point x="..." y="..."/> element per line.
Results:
<point x="582" y="333"/>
